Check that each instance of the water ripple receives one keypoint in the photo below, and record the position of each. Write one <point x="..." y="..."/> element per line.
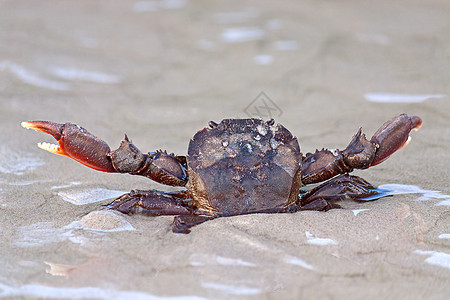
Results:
<point x="400" y="189"/>
<point x="31" y="77"/>
<point x="400" y="98"/>
<point x="49" y="292"/>
<point x="436" y="258"/>
<point x="13" y="162"/>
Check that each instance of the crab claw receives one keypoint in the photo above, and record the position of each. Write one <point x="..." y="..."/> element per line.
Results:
<point x="75" y="142"/>
<point x="393" y="135"/>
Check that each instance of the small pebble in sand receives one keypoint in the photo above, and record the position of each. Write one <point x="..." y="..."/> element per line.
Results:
<point x="104" y="221"/>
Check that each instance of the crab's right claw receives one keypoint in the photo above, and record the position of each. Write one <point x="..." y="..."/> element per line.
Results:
<point x="75" y="142"/>
<point x="393" y="135"/>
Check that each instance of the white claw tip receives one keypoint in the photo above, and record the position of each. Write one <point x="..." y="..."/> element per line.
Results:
<point x="408" y="140"/>
<point x="26" y="125"/>
<point x="50" y="147"/>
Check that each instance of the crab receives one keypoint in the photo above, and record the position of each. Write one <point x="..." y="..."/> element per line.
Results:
<point x="235" y="167"/>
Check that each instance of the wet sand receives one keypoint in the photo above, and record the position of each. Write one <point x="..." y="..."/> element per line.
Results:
<point x="159" y="71"/>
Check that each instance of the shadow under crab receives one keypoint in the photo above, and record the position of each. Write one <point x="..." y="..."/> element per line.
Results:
<point x="239" y="166"/>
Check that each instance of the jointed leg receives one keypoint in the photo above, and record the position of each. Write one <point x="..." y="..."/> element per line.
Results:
<point x="183" y="224"/>
<point x="152" y="203"/>
<point x="325" y="196"/>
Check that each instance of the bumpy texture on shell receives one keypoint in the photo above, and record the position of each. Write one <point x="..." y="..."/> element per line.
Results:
<point x="242" y="166"/>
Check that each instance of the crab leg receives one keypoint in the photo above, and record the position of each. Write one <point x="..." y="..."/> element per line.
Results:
<point x="325" y="195"/>
<point x="360" y="153"/>
<point x="77" y="143"/>
<point x="152" y="203"/>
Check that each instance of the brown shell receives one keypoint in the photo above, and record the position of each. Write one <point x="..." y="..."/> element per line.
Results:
<point x="243" y="166"/>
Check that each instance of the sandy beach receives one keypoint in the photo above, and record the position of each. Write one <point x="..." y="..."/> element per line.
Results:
<point x="159" y="71"/>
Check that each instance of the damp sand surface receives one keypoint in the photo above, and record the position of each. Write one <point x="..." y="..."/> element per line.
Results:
<point x="159" y="71"/>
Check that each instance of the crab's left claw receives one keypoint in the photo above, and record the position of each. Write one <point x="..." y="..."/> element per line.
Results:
<point x="360" y="153"/>
<point x="390" y="137"/>
<point x="75" y="142"/>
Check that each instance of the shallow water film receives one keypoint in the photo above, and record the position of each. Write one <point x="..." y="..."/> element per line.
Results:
<point x="160" y="70"/>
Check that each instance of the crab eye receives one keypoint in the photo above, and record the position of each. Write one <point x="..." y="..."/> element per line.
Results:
<point x="212" y="124"/>
<point x="271" y="122"/>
